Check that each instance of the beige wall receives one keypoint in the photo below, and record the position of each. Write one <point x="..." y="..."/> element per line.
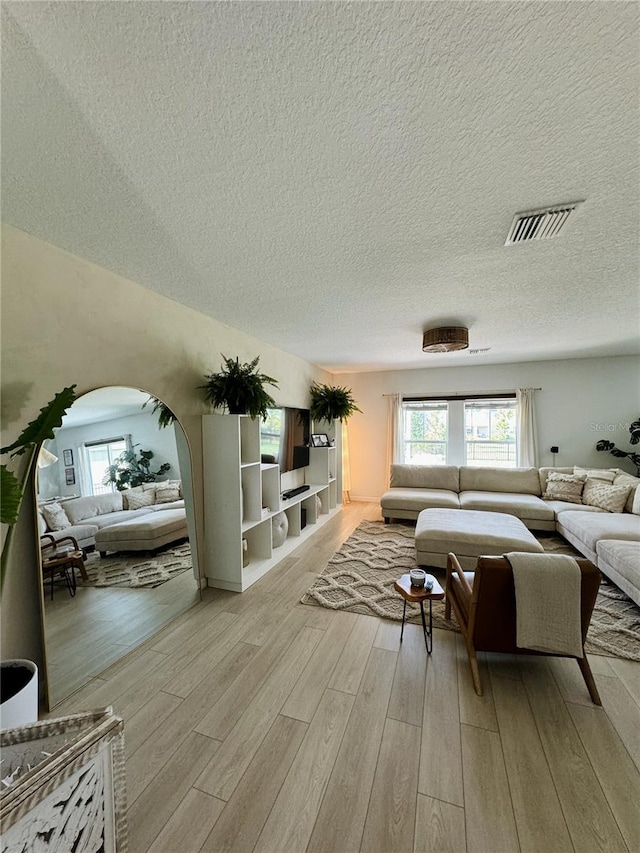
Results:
<point x="581" y="401"/>
<point x="65" y="321"/>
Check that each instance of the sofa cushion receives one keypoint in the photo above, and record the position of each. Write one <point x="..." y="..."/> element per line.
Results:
<point x="523" y="506"/>
<point x="624" y="479"/>
<point x="524" y="481"/>
<point x="425" y="477"/>
<point x="544" y="474"/>
<point x="606" y="474"/>
<point x="590" y="528"/>
<point x="166" y="492"/>
<point x="140" y="500"/>
<point x="564" y="487"/>
<point x="605" y="495"/>
<point x="55" y="516"/>
<point x="160" y="507"/>
<point x="79" y="509"/>
<point x="84" y="534"/>
<point x="111" y="518"/>
<point x="561" y="506"/>
<point x="620" y="560"/>
<point x="419" y="499"/>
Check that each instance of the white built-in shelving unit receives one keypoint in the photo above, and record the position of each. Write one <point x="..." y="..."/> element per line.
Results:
<point x="242" y="494"/>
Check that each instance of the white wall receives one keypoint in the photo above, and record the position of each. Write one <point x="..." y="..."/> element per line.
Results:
<point x="65" y="321"/>
<point x="581" y="401"/>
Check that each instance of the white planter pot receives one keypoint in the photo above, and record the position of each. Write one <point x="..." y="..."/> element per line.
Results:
<point x="19" y="704"/>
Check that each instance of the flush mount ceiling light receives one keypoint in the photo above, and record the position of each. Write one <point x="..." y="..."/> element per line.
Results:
<point x="445" y="339"/>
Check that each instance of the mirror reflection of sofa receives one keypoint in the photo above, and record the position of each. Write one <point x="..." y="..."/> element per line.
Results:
<point x="142" y="518"/>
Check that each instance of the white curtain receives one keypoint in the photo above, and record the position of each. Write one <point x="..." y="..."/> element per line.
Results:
<point x="527" y="441"/>
<point x="83" y="475"/>
<point x="394" y="432"/>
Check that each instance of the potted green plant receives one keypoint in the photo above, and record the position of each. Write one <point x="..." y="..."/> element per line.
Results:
<point x="331" y="402"/>
<point x="634" y="458"/>
<point x="165" y="416"/>
<point x="19" y="687"/>
<point x="129" y="470"/>
<point x="240" y="388"/>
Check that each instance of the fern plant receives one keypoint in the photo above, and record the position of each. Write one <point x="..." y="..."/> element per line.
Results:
<point x="329" y="402"/>
<point x="240" y="388"/>
<point x="165" y="415"/>
<point x="28" y="442"/>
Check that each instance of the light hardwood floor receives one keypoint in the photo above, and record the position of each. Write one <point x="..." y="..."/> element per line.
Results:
<point x="254" y="722"/>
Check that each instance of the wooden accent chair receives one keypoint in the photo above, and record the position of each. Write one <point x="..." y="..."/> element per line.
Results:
<point x="64" y="564"/>
<point x="484" y="604"/>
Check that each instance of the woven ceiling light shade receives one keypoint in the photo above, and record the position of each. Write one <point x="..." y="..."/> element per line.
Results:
<point x="445" y="339"/>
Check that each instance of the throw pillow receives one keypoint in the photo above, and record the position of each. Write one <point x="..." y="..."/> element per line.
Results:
<point x="166" y="492"/>
<point x="55" y="516"/>
<point x="564" y="487"/>
<point x="607" y="475"/>
<point x="138" y="500"/>
<point x="624" y="479"/>
<point x="42" y="524"/>
<point x="606" y="496"/>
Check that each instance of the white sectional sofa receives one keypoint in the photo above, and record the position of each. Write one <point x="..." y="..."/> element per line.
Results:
<point x="84" y="517"/>
<point x="611" y="540"/>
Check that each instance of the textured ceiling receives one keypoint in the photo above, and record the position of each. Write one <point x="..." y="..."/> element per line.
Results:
<point x="335" y="177"/>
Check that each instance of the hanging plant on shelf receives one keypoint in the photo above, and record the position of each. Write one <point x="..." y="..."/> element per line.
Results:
<point x="165" y="415"/>
<point x="129" y="471"/>
<point x="331" y="402"/>
<point x="634" y="458"/>
<point x="240" y="388"/>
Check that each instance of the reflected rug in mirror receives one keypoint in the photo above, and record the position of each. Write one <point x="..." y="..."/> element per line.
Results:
<point x="359" y="578"/>
<point x="137" y="570"/>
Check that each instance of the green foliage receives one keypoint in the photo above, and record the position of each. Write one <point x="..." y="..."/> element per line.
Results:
<point x="165" y="415"/>
<point x="28" y="442"/>
<point x="330" y="402"/>
<point x="129" y="471"/>
<point x="42" y="427"/>
<point x="634" y="430"/>
<point x="11" y="496"/>
<point x="240" y="388"/>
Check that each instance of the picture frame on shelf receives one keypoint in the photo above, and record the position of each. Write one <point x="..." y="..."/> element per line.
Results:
<point x="320" y="439"/>
<point x="67" y="456"/>
<point x="70" y="476"/>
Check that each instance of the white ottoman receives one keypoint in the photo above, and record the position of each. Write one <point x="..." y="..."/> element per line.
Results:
<point x="151" y="531"/>
<point x="469" y="534"/>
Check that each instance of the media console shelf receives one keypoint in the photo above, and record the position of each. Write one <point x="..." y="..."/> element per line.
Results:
<point x="241" y="496"/>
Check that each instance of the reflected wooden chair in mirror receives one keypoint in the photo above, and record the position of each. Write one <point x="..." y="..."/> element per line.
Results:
<point x="61" y="560"/>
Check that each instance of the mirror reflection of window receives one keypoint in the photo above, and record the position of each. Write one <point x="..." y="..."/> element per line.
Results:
<point x="99" y="458"/>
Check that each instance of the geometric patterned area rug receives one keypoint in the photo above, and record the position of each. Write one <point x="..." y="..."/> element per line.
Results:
<point x="359" y="579"/>
<point x="137" y="570"/>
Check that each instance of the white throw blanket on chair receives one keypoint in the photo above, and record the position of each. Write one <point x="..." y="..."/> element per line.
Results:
<point x="547" y="603"/>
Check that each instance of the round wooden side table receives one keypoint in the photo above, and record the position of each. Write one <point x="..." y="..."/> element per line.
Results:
<point x="418" y="595"/>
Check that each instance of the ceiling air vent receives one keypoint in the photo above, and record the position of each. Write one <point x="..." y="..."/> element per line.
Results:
<point x="539" y="224"/>
<point x="479" y="351"/>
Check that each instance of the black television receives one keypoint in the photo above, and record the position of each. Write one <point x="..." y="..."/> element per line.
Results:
<point x="284" y="438"/>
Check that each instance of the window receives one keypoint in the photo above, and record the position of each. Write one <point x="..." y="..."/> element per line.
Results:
<point x="490" y="433"/>
<point x="99" y="456"/>
<point x="424" y="431"/>
<point x="479" y="431"/>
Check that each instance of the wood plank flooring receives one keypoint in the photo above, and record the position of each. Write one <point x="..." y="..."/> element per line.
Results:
<point x="256" y="723"/>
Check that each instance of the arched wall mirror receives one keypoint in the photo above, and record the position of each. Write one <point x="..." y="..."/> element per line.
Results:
<point x="131" y="517"/>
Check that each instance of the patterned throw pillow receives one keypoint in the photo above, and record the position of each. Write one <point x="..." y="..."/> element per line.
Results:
<point x="609" y="497"/>
<point x="607" y="475"/>
<point x="55" y="516"/>
<point x="166" y="492"/>
<point x="138" y="500"/>
<point x="564" y="487"/>
<point x="624" y="479"/>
